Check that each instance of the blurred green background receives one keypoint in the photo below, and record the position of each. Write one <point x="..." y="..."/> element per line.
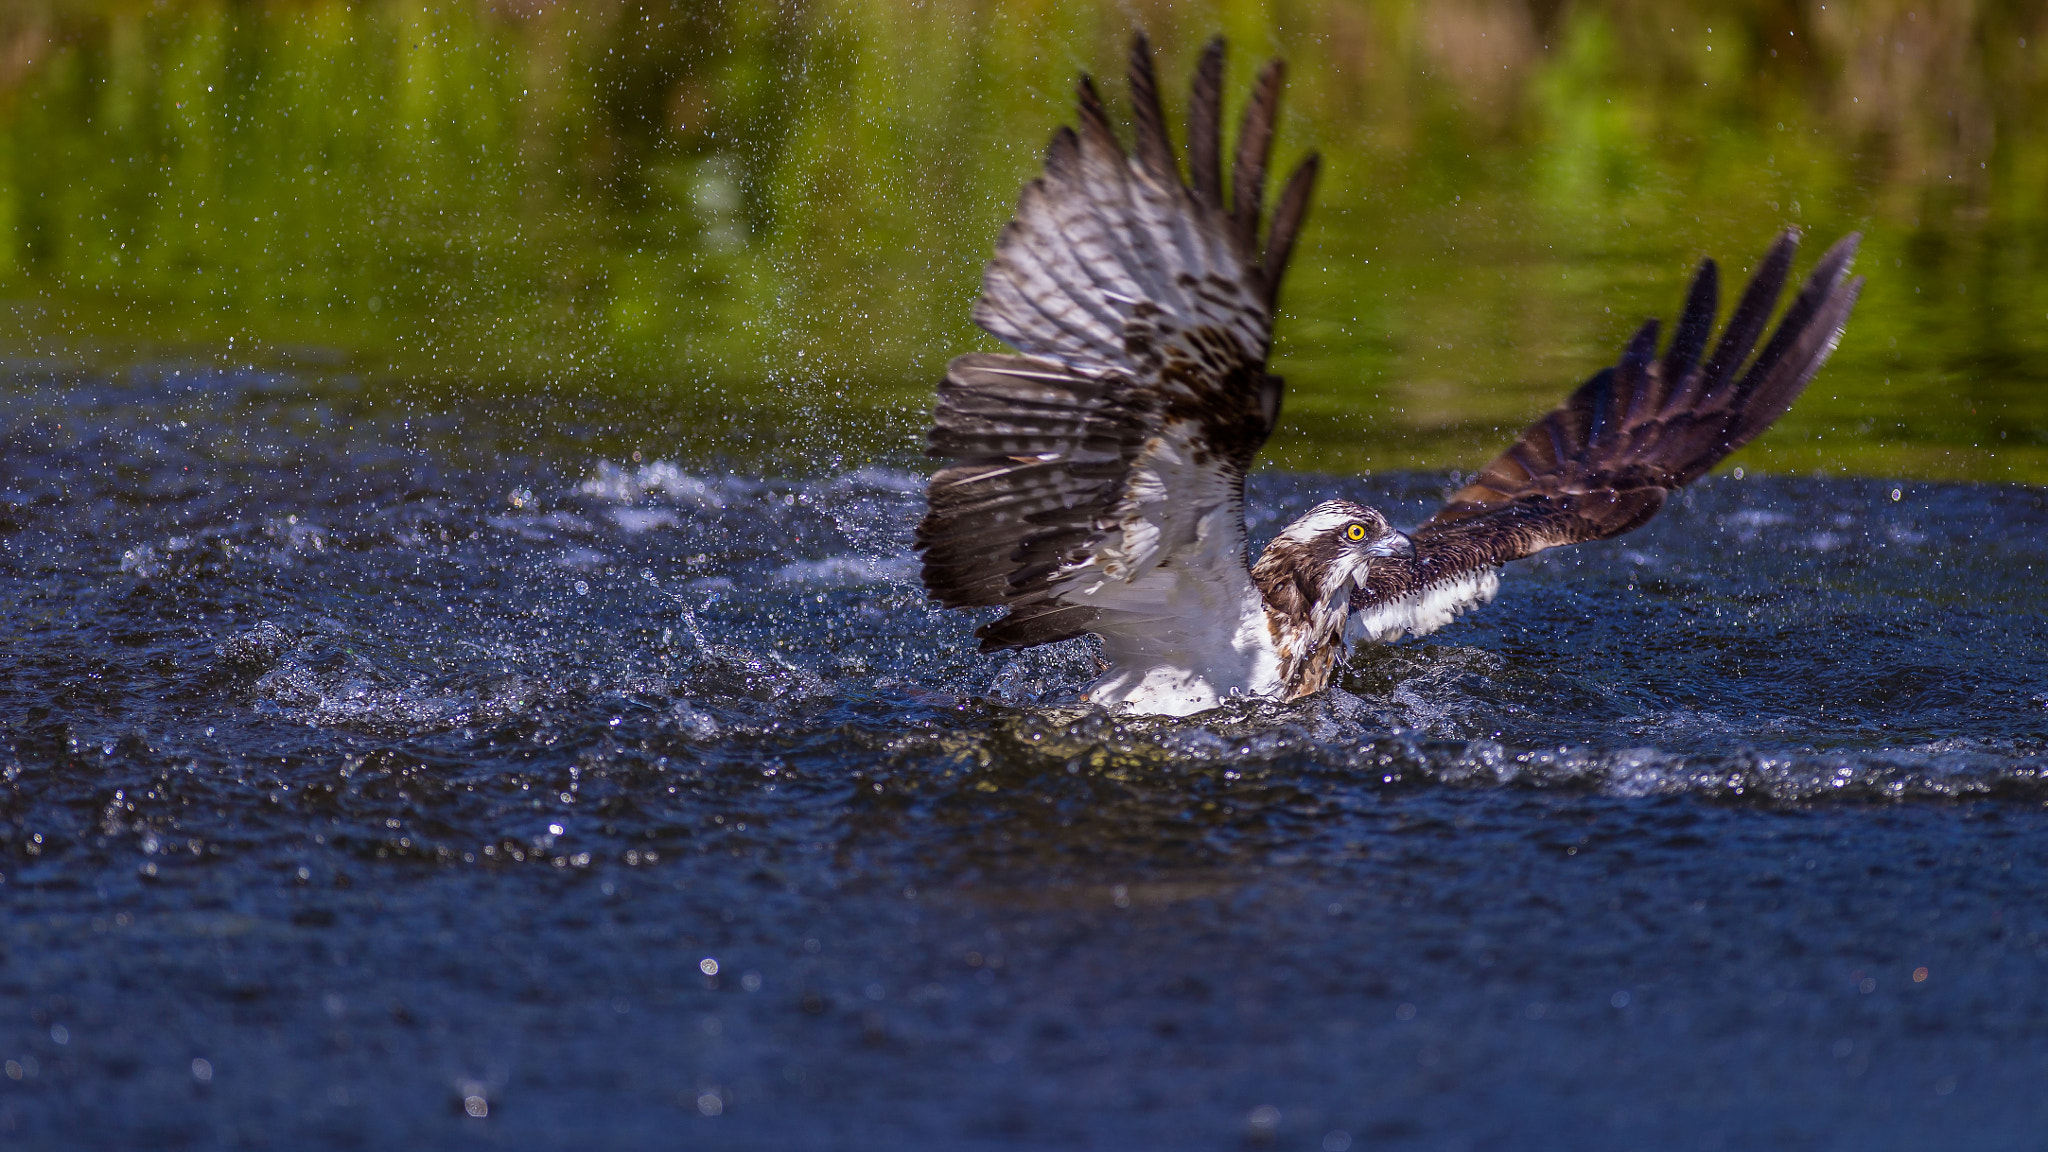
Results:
<point x="676" y="219"/>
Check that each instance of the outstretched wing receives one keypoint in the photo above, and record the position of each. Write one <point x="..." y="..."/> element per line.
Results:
<point x="1605" y="461"/>
<point x="1111" y="453"/>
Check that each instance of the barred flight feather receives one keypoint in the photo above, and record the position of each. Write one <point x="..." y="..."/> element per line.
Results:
<point x="1604" y="461"/>
<point x="1142" y="312"/>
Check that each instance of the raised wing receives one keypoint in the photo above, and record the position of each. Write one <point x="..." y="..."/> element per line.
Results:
<point x="1605" y="461"/>
<point x="1113" y="450"/>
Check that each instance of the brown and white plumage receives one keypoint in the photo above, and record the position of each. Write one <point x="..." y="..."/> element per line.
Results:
<point x="1603" y="462"/>
<point x="1095" y="480"/>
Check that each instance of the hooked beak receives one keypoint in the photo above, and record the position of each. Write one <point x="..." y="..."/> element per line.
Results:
<point x="1392" y="545"/>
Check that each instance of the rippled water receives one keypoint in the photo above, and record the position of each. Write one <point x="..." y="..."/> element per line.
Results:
<point x="362" y="775"/>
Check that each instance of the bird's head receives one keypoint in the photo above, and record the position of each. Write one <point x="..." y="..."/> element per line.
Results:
<point x="1312" y="565"/>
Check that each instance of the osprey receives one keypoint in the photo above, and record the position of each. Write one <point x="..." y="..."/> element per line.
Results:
<point x="1095" y="481"/>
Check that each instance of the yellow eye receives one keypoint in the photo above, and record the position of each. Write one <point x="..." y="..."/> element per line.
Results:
<point x="1356" y="532"/>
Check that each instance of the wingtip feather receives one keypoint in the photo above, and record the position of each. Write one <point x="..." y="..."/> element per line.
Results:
<point x="1288" y="218"/>
<point x="1154" y="147"/>
<point x="1205" y="126"/>
<point x="1254" y="149"/>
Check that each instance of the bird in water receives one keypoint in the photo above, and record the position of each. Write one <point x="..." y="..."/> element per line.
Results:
<point x="1095" y="479"/>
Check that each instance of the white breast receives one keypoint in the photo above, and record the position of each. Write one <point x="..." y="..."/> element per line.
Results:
<point x="1425" y="611"/>
<point x="1187" y="634"/>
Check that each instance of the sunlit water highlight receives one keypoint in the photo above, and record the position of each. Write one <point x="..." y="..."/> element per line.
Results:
<point x="368" y="786"/>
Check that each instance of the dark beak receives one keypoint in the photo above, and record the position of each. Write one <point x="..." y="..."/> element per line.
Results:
<point x="1392" y="545"/>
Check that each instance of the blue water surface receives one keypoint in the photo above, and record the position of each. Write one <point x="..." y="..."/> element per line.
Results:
<point x="369" y="783"/>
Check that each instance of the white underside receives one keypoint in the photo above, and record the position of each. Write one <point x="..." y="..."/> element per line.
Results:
<point x="1424" y="612"/>
<point x="1202" y="640"/>
<point x="1182" y="625"/>
<point x="1179" y="679"/>
<point x="1186" y="634"/>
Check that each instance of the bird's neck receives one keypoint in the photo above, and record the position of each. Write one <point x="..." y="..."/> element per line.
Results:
<point x="1307" y="606"/>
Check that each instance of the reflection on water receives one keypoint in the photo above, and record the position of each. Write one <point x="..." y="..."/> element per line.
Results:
<point x="703" y="209"/>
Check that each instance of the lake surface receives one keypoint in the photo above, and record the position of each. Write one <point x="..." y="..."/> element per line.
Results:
<point x="381" y="769"/>
<point x="463" y="680"/>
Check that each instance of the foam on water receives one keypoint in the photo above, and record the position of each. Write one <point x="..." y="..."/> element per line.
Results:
<point x="1706" y="650"/>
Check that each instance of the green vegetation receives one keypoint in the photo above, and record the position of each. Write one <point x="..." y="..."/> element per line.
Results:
<point x="780" y="211"/>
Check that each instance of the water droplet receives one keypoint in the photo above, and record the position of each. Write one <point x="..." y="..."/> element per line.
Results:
<point x="708" y="966"/>
<point x="474" y="1103"/>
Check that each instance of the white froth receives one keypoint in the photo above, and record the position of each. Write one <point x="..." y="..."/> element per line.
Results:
<point x="844" y="571"/>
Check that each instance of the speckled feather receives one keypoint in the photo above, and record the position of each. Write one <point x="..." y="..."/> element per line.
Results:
<point x="1142" y="309"/>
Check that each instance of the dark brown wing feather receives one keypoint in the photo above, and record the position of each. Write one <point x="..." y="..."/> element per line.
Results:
<point x="1143" y="307"/>
<point x="1604" y="462"/>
